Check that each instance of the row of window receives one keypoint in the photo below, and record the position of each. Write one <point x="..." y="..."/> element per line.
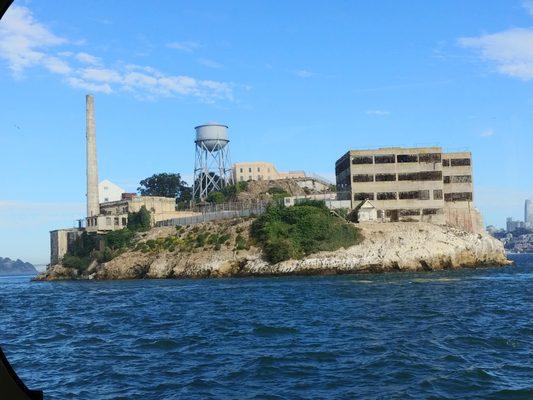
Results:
<point x="410" y="212"/>
<point x="411" y="176"/>
<point x="250" y="169"/>
<point x="410" y="158"/>
<point x="462" y="196"/>
<point x="408" y="195"/>
<point x="116" y="221"/>
<point x="456" y="162"/>
<point x="458" y="179"/>
<point x="400" y="158"/>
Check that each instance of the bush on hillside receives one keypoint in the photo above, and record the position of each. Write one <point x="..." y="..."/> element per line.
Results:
<point x="139" y="221"/>
<point x="306" y="228"/>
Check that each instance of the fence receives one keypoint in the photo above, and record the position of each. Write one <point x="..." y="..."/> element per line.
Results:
<point x="216" y="212"/>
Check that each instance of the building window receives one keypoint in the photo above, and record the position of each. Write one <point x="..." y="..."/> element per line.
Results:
<point x="363" y="196"/>
<point x="258" y="169"/>
<point x="437" y="194"/>
<point x="124" y="221"/>
<point x="413" y="176"/>
<point x="457" y="162"/>
<point x="108" y="221"/>
<point x="363" y="160"/>
<point x="430" y="176"/>
<point x="385" y="177"/>
<point x="461" y="179"/>
<point x="405" y="158"/>
<point x="429" y="157"/>
<point x="116" y="220"/>
<point x="414" y="195"/>
<point x="363" y="178"/>
<point x="446" y="179"/>
<point x="106" y="199"/>
<point x="409" y="213"/>
<point x="430" y="211"/>
<point x="384" y="159"/>
<point x="386" y="196"/>
<point x="445" y="163"/>
<point x="249" y="169"/>
<point x="463" y="196"/>
<point x="241" y="170"/>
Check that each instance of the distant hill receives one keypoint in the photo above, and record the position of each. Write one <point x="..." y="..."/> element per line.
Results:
<point x="18" y="267"/>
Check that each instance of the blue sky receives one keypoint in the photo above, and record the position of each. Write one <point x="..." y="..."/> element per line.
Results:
<point x="299" y="83"/>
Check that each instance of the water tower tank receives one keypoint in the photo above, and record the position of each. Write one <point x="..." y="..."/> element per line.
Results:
<point x="213" y="136"/>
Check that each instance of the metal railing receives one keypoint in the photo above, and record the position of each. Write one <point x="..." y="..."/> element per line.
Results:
<point x="216" y="212"/>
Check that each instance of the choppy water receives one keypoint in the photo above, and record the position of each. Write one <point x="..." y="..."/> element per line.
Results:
<point x="444" y="335"/>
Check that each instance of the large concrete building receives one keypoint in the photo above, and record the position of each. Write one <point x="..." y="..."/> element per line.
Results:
<point x="114" y="215"/>
<point x="411" y="184"/>
<point x="260" y="170"/>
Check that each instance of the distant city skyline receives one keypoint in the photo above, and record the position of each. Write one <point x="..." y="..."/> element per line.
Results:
<point x="296" y="82"/>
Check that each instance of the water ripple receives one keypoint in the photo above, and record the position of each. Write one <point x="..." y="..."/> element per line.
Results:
<point x="440" y="335"/>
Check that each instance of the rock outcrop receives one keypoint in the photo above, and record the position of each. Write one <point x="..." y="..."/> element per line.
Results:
<point x="403" y="246"/>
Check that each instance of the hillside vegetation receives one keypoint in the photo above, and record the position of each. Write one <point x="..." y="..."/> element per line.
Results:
<point x="294" y="232"/>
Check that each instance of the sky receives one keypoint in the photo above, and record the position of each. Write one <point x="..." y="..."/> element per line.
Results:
<point x="298" y="83"/>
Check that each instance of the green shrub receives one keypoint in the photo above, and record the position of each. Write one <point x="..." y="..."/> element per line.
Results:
<point x="79" y="263"/>
<point x="216" y="198"/>
<point x="139" y="221"/>
<point x="306" y="228"/>
<point x="241" y="243"/>
<point x="119" y="239"/>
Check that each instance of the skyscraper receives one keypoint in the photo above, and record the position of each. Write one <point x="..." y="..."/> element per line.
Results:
<point x="528" y="213"/>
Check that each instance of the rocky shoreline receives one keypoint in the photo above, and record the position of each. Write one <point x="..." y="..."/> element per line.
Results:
<point x="404" y="246"/>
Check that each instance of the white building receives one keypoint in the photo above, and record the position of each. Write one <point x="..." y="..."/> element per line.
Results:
<point x="108" y="191"/>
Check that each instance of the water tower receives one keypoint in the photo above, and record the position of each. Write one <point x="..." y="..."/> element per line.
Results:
<point x="212" y="169"/>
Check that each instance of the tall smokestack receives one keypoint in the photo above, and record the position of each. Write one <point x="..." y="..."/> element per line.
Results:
<point x="93" y="207"/>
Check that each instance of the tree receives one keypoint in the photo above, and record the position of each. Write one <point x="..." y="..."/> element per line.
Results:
<point x="166" y="185"/>
<point x="139" y="221"/>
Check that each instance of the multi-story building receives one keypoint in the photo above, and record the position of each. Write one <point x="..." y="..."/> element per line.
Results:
<point x="410" y="183"/>
<point x="259" y="170"/>
<point x="512" y="225"/>
<point x="114" y="215"/>
<point x="528" y="213"/>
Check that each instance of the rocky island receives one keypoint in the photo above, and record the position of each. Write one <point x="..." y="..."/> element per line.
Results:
<point x="16" y="267"/>
<point x="300" y="240"/>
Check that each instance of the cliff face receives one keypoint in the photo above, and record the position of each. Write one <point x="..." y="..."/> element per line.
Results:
<point x="16" y="267"/>
<point x="407" y="246"/>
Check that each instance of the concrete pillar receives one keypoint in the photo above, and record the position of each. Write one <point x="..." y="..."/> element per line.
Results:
<point x="93" y="207"/>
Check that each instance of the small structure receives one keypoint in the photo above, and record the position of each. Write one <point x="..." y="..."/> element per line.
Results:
<point x="108" y="191"/>
<point x="260" y="170"/>
<point x="366" y="211"/>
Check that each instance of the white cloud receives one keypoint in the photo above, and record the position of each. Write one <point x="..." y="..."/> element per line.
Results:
<point x="187" y="46"/>
<point x="303" y="73"/>
<point x="209" y="63"/>
<point x="487" y="133"/>
<point x="100" y="75"/>
<point x="24" y="40"/>
<point x="90" y="86"/>
<point x="26" y="43"/>
<point x="56" y="65"/>
<point x="87" y="58"/>
<point x="379" y="113"/>
<point x="510" y="50"/>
